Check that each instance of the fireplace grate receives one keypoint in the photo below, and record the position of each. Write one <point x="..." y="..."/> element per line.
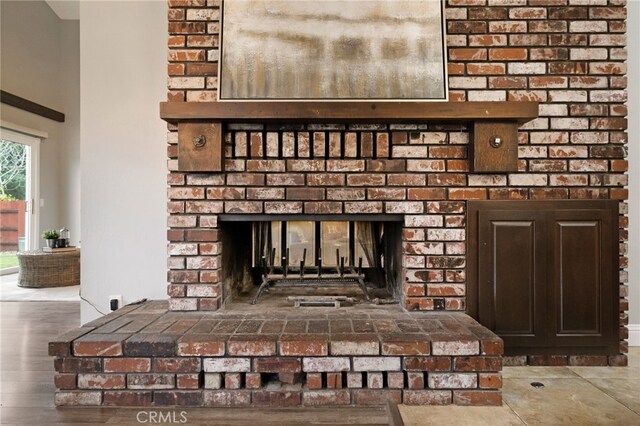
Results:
<point x="312" y="281"/>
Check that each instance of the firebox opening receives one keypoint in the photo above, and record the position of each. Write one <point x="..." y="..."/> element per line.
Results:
<point x="288" y="256"/>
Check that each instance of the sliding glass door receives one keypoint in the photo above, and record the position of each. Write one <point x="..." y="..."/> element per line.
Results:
<point x="19" y="154"/>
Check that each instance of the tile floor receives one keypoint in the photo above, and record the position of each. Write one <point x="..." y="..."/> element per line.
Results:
<point x="570" y="396"/>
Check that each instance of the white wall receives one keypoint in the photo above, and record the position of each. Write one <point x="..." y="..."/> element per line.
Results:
<point x="633" y="73"/>
<point x="123" y="156"/>
<point x="69" y="153"/>
<point x="40" y="62"/>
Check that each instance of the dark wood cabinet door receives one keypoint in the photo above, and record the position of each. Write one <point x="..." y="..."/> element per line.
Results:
<point x="513" y="286"/>
<point x="543" y="275"/>
<point x="582" y="271"/>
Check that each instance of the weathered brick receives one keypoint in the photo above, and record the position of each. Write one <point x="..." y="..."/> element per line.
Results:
<point x="226" y="398"/>
<point x="415" y="380"/>
<point x="618" y="360"/>
<point x="490" y="380"/>
<point x="253" y="380"/>
<point x="426" y="397"/>
<point x="201" y="345"/>
<point x="213" y="381"/>
<point x="99" y="344"/>
<point x="322" y="207"/>
<point x="127" y="365"/>
<point x="376" y="363"/>
<point x="588" y="360"/>
<point x="345" y="166"/>
<point x="326" y="397"/>
<point x="374" y="380"/>
<point x="354" y="344"/>
<point x="176" y="365"/>
<point x="65" y="381"/>
<point x="547" y="360"/>
<point x="395" y="379"/>
<point x="303" y="345"/>
<point x="354" y="380"/>
<point x="151" y="381"/>
<point x="235" y="365"/>
<point x="405" y="344"/>
<point x="477" y="397"/>
<point x="492" y="346"/>
<point x="251" y="345"/>
<point x="189" y="381"/>
<point x="277" y="365"/>
<point x="486" y="69"/>
<point x="452" y="380"/>
<point x="376" y="396"/>
<point x="262" y="398"/>
<point x="326" y="364"/>
<point x="427" y="363"/>
<point x="78" y="365"/>
<point x="455" y="347"/>
<point x="408" y="179"/>
<point x="334" y="380"/>
<point x="127" y="398"/>
<point x="62" y="344"/>
<point x="148" y="344"/>
<point x="184" y="398"/>
<point x="314" y="380"/>
<point x="477" y="363"/>
<point x="305" y="165"/>
<point x="76" y="398"/>
<point x="232" y="380"/>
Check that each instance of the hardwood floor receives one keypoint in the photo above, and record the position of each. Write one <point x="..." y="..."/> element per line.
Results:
<point x="26" y="383"/>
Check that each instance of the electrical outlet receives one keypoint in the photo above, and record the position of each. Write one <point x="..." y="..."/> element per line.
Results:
<point x="438" y="304"/>
<point x="115" y="302"/>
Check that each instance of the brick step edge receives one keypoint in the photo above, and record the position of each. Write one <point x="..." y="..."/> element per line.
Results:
<point x="267" y="398"/>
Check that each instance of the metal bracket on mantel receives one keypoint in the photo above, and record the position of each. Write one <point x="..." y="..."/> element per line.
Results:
<point x="494" y="125"/>
<point x="200" y="147"/>
<point x="495" y="146"/>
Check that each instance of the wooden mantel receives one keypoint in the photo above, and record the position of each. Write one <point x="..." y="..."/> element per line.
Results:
<point x="395" y="112"/>
<point x="494" y="125"/>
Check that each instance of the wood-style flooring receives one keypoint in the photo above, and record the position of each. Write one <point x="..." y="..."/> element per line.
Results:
<point x="26" y="384"/>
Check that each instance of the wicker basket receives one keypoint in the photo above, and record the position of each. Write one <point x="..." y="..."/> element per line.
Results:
<point x="39" y="269"/>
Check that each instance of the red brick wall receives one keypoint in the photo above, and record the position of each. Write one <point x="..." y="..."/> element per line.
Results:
<point x="568" y="54"/>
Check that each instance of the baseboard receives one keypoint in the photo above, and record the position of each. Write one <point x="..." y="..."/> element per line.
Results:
<point x="634" y="334"/>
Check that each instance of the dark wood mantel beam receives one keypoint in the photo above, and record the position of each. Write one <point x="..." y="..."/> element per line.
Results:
<point x="30" y="106"/>
<point x="494" y="125"/>
<point x="395" y="112"/>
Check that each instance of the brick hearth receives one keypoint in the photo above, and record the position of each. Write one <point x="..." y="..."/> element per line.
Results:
<point x="364" y="355"/>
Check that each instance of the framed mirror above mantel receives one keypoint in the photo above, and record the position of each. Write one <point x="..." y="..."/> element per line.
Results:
<point x="494" y="125"/>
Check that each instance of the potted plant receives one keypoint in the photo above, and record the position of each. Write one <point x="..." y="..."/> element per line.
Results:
<point x="51" y="235"/>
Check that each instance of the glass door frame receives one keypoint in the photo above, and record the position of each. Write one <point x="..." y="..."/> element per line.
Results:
<point x="32" y="223"/>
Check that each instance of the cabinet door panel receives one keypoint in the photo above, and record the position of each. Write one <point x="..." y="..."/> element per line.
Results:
<point x="582" y="277"/>
<point x="512" y="287"/>
<point x="543" y="275"/>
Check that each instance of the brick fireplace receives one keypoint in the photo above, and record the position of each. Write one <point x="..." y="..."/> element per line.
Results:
<point x="415" y="177"/>
<point x="334" y="171"/>
<point x="569" y="58"/>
